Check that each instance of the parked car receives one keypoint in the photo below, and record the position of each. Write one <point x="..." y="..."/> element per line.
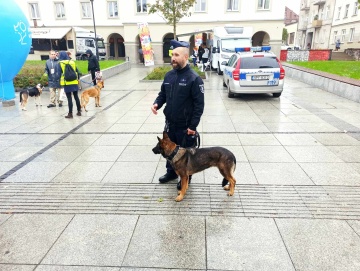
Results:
<point x="253" y="71"/>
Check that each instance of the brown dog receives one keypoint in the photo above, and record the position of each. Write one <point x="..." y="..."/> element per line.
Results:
<point x="187" y="161"/>
<point x="92" y="92"/>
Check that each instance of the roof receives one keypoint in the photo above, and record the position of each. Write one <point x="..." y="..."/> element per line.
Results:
<point x="49" y="33"/>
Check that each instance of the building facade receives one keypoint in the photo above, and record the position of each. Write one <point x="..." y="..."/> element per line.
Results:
<point x="322" y="22"/>
<point x="116" y="21"/>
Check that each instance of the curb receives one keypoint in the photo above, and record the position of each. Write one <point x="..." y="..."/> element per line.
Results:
<point x="344" y="87"/>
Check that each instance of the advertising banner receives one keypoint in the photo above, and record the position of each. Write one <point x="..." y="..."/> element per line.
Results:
<point x="145" y="40"/>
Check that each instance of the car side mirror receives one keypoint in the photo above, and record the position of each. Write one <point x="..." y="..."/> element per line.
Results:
<point x="225" y="63"/>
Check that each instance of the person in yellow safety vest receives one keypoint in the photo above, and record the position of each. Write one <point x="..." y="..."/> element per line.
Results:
<point x="170" y="51"/>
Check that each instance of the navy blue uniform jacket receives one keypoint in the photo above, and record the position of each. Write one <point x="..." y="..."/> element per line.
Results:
<point x="183" y="93"/>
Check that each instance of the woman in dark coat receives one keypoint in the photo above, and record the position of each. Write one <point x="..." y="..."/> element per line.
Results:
<point x="69" y="86"/>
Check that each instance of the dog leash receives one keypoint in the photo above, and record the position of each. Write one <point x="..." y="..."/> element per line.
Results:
<point x="87" y="82"/>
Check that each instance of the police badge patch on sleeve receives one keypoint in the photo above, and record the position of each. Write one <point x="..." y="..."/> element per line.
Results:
<point x="202" y="88"/>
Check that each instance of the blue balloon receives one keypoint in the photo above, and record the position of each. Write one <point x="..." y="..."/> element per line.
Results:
<point x="15" y="46"/>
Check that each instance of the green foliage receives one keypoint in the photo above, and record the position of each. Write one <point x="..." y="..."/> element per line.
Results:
<point x="285" y="35"/>
<point x="172" y="10"/>
<point x="350" y="69"/>
<point x="30" y="77"/>
<point x="158" y="73"/>
<point x="32" y="72"/>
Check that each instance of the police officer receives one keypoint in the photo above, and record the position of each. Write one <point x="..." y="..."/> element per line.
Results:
<point x="183" y="92"/>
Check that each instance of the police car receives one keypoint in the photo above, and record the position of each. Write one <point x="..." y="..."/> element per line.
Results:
<point x="253" y="70"/>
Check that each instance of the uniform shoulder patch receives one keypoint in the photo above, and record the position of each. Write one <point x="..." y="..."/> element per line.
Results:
<point x="202" y="88"/>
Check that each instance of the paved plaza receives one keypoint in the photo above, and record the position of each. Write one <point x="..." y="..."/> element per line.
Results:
<point x="83" y="194"/>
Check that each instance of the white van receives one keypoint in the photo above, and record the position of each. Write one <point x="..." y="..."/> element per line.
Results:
<point x="225" y="40"/>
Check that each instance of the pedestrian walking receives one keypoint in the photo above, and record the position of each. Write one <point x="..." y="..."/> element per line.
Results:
<point x="53" y="73"/>
<point x="93" y="65"/>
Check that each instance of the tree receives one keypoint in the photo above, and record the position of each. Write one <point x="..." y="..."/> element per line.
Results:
<point x="285" y="35"/>
<point x="172" y="10"/>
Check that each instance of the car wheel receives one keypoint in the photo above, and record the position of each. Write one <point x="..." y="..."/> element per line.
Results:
<point x="276" y="95"/>
<point x="219" y="72"/>
<point x="224" y="85"/>
<point x="230" y="94"/>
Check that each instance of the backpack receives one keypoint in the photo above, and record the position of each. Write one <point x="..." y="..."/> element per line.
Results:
<point x="69" y="73"/>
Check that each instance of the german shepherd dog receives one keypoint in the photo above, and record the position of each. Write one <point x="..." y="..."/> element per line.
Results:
<point x="92" y="92"/>
<point x="187" y="161"/>
<point x="32" y="92"/>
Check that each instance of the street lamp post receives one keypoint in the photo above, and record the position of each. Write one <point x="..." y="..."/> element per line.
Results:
<point x="96" y="44"/>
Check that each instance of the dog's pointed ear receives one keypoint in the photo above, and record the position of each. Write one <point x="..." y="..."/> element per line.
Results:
<point x="165" y="135"/>
<point x="159" y="139"/>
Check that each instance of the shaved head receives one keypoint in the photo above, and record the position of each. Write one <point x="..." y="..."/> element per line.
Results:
<point x="179" y="57"/>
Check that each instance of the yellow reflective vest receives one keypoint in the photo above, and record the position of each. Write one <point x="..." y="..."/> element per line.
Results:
<point x="62" y="66"/>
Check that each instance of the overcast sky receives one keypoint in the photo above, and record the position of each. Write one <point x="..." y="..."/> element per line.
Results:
<point x="294" y="5"/>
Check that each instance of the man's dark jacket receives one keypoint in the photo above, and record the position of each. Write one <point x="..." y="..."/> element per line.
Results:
<point x="183" y="93"/>
<point x="93" y="63"/>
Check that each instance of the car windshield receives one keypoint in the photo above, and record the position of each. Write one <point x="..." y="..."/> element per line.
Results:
<point x="229" y="45"/>
<point x="258" y="63"/>
<point x="100" y="44"/>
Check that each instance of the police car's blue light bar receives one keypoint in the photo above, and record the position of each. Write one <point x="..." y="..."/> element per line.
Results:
<point x="253" y="49"/>
<point x="242" y="49"/>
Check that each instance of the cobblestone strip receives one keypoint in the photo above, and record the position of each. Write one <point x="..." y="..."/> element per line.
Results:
<point x="319" y="202"/>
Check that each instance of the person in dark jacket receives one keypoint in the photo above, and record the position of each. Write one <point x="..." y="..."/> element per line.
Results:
<point x="69" y="86"/>
<point x="93" y="65"/>
<point x="53" y="74"/>
<point x="183" y="93"/>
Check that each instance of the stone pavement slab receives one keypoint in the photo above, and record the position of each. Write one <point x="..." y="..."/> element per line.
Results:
<point x="168" y="242"/>
<point x="26" y="239"/>
<point x="320" y="244"/>
<point x="231" y="242"/>
<point x="94" y="240"/>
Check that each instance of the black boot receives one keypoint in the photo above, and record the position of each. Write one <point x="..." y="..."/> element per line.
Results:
<point x="69" y="116"/>
<point x="169" y="176"/>
<point x="178" y="185"/>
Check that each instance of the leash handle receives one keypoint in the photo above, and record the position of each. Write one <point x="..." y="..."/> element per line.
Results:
<point x="196" y="141"/>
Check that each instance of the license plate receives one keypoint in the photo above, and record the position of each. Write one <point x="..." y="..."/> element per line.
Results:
<point x="260" y="77"/>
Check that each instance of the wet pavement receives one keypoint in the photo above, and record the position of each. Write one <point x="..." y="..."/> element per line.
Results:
<point x="83" y="193"/>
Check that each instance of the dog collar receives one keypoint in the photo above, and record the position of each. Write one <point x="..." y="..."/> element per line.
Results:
<point x="173" y="154"/>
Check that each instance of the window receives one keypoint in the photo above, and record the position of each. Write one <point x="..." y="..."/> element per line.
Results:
<point x="355" y="12"/>
<point x="339" y="12"/>
<point x="60" y="10"/>
<point x="113" y="9"/>
<point x="141" y="5"/>
<point x="343" y="33"/>
<point x="34" y="11"/>
<point x="263" y="4"/>
<point x="321" y="14"/>
<point x="86" y="10"/>
<point x="335" y="36"/>
<point x="346" y="11"/>
<point x="352" y="32"/>
<point x="327" y="12"/>
<point x="323" y="35"/>
<point x="200" y="6"/>
<point x="232" y="5"/>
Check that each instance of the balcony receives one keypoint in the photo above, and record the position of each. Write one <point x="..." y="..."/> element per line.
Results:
<point x="319" y="2"/>
<point x="316" y="23"/>
<point x="304" y="7"/>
